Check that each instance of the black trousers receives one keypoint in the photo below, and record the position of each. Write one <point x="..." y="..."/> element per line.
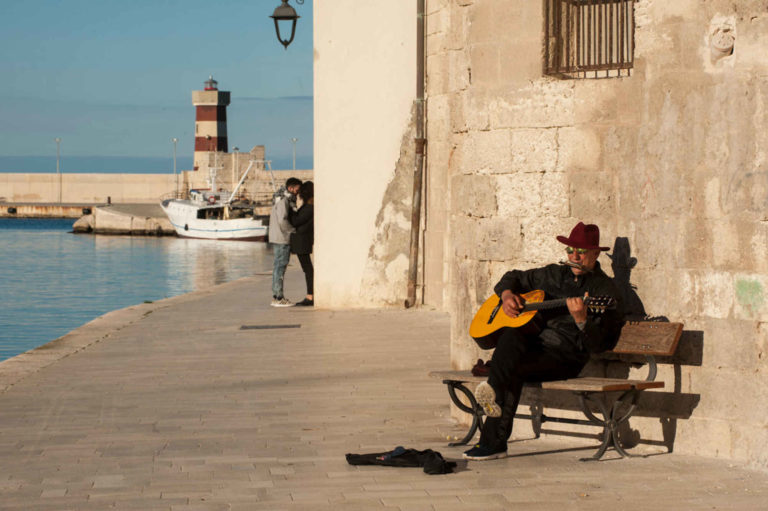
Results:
<point x="519" y="359"/>
<point x="309" y="271"/>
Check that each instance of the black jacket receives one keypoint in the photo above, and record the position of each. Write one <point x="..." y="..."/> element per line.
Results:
<point x="304" y="222"/>
<point x="558" y="327"/>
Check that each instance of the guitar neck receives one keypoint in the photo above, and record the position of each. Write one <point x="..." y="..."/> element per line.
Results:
<point x="547" y="304"/>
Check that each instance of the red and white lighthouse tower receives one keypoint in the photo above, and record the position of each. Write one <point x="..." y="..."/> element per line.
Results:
<point x="210" y="123"/>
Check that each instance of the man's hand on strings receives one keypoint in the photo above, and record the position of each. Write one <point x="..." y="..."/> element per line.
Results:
<point x="511" y="303"/>
<point x="577" y="308"/>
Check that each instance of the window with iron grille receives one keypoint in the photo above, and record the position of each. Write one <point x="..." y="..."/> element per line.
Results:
<point x="589" y="38"/>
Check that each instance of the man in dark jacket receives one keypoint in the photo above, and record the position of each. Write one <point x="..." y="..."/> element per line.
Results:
<point x="280" y="230"/>
<point x="566" y="338"/>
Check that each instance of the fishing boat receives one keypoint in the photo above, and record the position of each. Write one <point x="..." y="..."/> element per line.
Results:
<point x="216" y="214"/>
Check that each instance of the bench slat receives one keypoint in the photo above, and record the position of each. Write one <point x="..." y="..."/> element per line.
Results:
<point x="600" y="384"/>
<point x="462" y="376"/>
<point x="649" y="338"/>
<point x="583" y="384"/>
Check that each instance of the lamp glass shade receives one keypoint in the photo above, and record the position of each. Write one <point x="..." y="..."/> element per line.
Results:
<point x="282" y="13"/>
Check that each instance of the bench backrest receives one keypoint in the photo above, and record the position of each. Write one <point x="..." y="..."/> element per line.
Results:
<point x="649" y="338"/>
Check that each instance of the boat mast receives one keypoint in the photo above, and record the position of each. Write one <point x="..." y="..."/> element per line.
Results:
<point x="268" y="166"/>
<point x="240" y="183"/>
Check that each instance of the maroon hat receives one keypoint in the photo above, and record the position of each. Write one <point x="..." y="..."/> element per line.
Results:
<point x="583" y="236"/>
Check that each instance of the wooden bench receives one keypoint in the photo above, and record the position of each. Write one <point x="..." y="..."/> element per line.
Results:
<point x="647" y="338"/>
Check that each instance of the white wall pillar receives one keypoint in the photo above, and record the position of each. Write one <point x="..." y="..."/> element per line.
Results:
<point x="364" y="86"/>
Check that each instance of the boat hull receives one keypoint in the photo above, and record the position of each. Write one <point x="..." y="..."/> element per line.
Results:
<point x="183" y="215"/>
<point x="209" y="237"/>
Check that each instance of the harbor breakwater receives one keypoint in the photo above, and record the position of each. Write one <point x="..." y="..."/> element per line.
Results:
<point x="42" y="210"/>
<point x="133" y="219"/>
<point x="86" y="189"/>
<point x="103" y="188"/>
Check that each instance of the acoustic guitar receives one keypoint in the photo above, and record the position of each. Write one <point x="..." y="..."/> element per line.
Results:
<point x="491" y="318"/>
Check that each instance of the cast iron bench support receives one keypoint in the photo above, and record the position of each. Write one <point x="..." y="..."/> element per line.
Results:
<point x="610" y="421"/>
<point x="537" y="417"/>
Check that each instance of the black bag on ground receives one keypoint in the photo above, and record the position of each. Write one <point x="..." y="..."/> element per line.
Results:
<point x="432" y="461"/>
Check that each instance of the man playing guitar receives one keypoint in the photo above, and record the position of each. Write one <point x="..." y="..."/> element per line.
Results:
<point x="561" y="347"/>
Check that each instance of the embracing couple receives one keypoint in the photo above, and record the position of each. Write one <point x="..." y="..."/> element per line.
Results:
<point x="292" y="229"/>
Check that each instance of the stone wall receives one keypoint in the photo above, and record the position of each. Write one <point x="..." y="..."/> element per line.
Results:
<point x="670" y="162"/>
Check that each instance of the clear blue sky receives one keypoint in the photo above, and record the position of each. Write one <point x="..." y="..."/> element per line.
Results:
<point x="114" y="77"/>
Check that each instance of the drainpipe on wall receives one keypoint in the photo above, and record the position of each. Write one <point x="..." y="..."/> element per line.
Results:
<point x="419" y="142"/>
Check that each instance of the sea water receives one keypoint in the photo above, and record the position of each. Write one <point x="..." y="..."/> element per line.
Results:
<point x="52" y="281"/>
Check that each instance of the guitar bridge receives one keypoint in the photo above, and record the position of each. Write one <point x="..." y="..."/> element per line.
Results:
<point x="494" y="312"/>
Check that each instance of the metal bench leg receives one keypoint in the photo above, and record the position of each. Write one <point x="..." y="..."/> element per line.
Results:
<point x="475" y="411"/>
<point x="610" y="423"/>
<point x="618" y="421"/>
<point x="584" y="399"/>
<point x="537" y="417"/>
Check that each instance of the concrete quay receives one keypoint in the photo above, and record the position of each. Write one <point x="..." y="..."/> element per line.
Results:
<point x="131" y="219"/>
<point x="215" y="401"/>
<point x="140" y="219"/>
<point x="44" y="210"/>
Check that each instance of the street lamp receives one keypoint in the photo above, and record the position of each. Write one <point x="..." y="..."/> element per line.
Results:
<point x="285" y="12"/>
<point x="294" y="140"/>
<point x="175" y="175"/>
<point x="58" y="168"/>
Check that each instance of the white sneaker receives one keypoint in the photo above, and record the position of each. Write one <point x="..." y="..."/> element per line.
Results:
<point x="282" y="302"/>
<point x="486" y="398"/>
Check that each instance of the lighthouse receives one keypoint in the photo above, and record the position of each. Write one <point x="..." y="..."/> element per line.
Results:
<point x="210" y="123"/>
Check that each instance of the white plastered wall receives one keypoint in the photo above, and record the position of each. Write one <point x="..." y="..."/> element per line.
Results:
<point x="364" y="87"/>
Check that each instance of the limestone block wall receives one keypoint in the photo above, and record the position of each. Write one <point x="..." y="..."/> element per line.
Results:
<point x="670" y="162"/>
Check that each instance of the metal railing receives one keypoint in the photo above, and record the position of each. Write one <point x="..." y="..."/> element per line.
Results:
<point x="257" y="199"/>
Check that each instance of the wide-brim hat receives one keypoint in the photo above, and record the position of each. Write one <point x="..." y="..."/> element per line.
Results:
<point x="583" y="236"/>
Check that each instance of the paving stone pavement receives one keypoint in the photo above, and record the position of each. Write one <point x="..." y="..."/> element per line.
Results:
<point x="174" y="406"/>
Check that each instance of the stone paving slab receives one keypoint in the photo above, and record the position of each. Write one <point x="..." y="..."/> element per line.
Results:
<point x="174" y="406"/>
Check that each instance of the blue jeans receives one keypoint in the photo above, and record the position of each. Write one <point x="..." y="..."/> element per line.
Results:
<point x="282" y="256"/>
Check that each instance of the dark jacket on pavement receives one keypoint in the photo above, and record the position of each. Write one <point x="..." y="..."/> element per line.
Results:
<point x="304" y="222"/>
<point x="558" y="327"/>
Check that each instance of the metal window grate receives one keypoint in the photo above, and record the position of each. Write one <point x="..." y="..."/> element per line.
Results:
<point x="589" y="38"/>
